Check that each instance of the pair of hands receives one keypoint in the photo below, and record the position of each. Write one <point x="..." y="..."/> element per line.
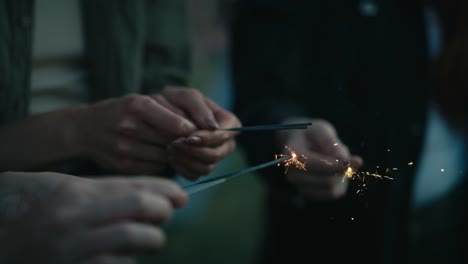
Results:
<point x="147" y="134"/>
<point x="68" y="219"/>
<point x="327" y="160"/>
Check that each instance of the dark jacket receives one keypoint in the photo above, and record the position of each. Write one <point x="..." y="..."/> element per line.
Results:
<point x="132" y="46"/>
<point x="366" y="71"/>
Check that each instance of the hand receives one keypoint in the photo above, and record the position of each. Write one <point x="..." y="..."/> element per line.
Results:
<point x="90" y="221"/>
<point x="129" y="134"/>
<point x="198" y="154"/>
<point x="327" y="160"/>
<point x="191" y="104"/>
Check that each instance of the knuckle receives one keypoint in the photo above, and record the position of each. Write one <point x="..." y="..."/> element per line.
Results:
<point x="193" y="92"/>
<point x="181" y="127"/>
<point x="323" y="124"/>
<point x="182" y="95"/>
<point x="136" y="103"/>
<point x="127" y="126"/>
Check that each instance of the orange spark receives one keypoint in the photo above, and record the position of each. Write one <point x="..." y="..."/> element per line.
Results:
<point x="297" y="161"/>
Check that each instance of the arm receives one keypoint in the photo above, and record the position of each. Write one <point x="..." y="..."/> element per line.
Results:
<point x="78" y="220"/>
<point x="126" y="134"/>
<point x="39" y="141"/>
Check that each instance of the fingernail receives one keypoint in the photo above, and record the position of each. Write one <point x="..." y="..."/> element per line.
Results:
<point x="190" y="126"/>
<point x="192" y="140"/>
<point x="212" y="123"/>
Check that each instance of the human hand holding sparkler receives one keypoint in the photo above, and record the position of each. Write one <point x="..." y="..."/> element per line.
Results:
<point x="199" y="153"/>
<point x="328" y="160"/>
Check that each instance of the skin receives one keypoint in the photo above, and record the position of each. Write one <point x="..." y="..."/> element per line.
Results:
<point x="132" y="134"/>
<point x="323" y="178"/>
<point x="199" y="153"/>
<point x="77" y="220"/>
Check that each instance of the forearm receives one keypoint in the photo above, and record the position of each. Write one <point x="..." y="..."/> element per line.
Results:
<point x="39" y="141"/>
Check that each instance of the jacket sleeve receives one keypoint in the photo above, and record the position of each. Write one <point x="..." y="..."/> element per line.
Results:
<point x="167" y="45"/>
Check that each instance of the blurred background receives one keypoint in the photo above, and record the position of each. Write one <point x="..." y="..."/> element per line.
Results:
<point x="222" y="224"/>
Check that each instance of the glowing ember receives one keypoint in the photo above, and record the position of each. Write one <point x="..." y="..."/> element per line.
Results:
<point x="294" y="161"/>
<point x="298" y="162"/>
<point x="360" y="177"/>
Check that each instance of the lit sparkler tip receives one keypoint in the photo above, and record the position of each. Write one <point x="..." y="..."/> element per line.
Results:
<point x="293" y="161"/>
<point x="349" y="170"/>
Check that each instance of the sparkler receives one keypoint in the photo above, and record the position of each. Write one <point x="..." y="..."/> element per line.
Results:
<point x="294" y="160"/>
<point x="298" y="162"/>
<point x="208" y="183"/>
<point x="360" y="177"/>
<point x="270" y="127"/>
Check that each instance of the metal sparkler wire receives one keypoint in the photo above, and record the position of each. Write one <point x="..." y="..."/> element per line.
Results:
<point x="208" y="183"/>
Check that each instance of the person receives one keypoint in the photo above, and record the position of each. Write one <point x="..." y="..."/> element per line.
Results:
<point x="359" y="71"/>
<point x="110" y="86"/>
<point x="129" y="134"/>
<point x="56" y="218"/>
<point x="102" y="82"/>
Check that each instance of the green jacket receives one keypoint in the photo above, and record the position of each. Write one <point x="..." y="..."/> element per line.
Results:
<point x="132" y="46"/>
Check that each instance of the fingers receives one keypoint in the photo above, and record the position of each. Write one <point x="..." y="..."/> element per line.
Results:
<point x="164" y="102"/>
<point x="356" y="162"/>
<point x="165" y="187"/>
<point x="139" y="205"/>
<point x="208" y="138"/>
<point x="125" y="237"/>
<point x="190" y="168"/>
<point x="193" y="161"/>
<point x="225" y="118"/>
<point x="207" y="155"/>
<point x="312" y="186"/>
<point x="110" y="259"/>
<point x="131" y="166"/>
<point x="193" y="103"/>
<point x="324" y="165"/>
<point x="136" y="129"/>
<point x="133" y="149"/>
<point x="160" y="118"/>
<point x="325" y="140"/>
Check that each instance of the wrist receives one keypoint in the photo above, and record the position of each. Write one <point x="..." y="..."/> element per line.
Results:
<point x="73" y="133"/>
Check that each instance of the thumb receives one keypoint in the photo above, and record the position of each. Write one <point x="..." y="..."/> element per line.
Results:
<point x="324" y="136"/>
<point x="356" y="162"/>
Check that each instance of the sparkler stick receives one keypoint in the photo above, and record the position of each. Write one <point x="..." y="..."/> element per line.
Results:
<point x="270" y="127"/>
<point x="208" y="183"/>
